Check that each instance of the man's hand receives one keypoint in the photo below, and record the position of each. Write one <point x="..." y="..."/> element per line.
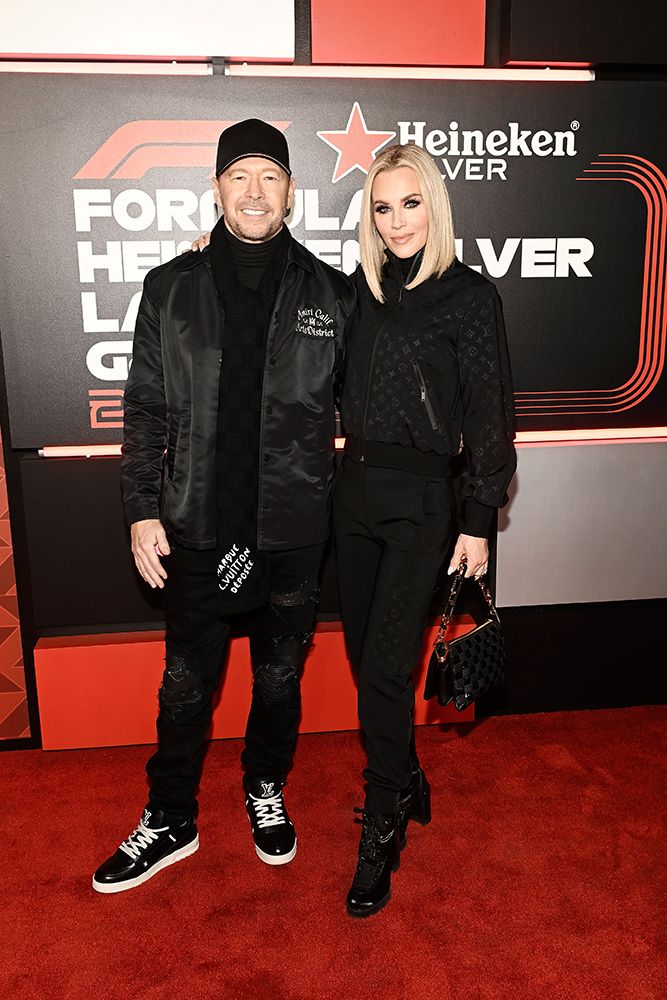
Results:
<point x="201" y="242"/>
<point x="149" y="542"/>
<point x="476" y="551"/>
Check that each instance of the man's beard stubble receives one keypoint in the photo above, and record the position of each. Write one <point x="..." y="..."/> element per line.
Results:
<point x="253" y="236"/>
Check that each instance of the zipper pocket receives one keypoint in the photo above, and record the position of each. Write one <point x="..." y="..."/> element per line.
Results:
<point x="425" y="396"/>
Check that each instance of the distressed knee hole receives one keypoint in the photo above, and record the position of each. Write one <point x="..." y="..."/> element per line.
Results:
<point x="306" y="593"/>
<point x="290" y="650"/>
<point x="276" y="683"/>
<point x="283" y="643"/>
<point x="181" y="692"/>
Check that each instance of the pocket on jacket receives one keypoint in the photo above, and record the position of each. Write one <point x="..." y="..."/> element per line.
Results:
<point x="315" y="445"/>
<point x="172" y="442"/>
<point x="426" y="395"/>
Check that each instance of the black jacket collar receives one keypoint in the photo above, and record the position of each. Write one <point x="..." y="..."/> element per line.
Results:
<point x="296" y="254"/>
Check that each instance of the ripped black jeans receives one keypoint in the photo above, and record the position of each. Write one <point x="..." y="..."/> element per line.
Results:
<point x="196" y="644"/>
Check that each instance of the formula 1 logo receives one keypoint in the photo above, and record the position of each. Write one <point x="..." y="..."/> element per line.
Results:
<point x="137" y="147"/>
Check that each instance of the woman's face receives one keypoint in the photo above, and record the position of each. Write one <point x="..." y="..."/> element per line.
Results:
<point x="399" y="211"/>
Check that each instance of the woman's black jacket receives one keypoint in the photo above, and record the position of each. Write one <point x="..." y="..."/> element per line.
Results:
<point x="429" y="369"/>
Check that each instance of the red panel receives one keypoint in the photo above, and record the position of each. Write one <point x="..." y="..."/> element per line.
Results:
<point x="396" y="33"/>
<point x="14" y="722"/>
<point x="101" y="690"/>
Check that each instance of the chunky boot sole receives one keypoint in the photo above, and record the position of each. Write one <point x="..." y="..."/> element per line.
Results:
<point x="420" y="813"/>
<point x="360" y="914"/>
<point x="381" y="903"/>
<point x="276" y="859"/>
<point x="132" y="883"/>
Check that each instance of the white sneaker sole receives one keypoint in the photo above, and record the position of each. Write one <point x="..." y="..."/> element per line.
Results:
<point x="131" y="883"/>
<point x="276" y="859"/>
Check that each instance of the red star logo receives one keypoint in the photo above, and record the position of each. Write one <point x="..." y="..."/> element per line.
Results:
<point x="355" y="144"/>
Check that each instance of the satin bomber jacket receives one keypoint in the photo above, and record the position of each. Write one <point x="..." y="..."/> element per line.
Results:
<point x="172" y="397"/>
<point x="429" y="369"/>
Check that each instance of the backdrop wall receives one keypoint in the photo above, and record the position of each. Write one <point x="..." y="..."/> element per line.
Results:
<point x="559" y="196"/>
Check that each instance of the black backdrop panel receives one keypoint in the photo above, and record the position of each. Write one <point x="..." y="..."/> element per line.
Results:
<point x="592" y="31"/>
<point x="558" y="194"/>
<point x="577" y="656"/>
<point x="81" y="568"/>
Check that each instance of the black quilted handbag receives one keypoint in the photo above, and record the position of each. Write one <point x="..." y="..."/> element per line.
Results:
<point x="462" y="669"/>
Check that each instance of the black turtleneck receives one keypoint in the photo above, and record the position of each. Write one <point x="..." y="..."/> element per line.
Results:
<point x="247" y="313"/>
<point x="405" y="264"/>
<point x="252" y="259"/>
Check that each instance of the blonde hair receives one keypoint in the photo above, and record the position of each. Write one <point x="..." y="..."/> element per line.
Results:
<point x="439" y="250"/>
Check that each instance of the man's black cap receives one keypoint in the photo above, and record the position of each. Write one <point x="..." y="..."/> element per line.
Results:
<point x="252" y="137"/>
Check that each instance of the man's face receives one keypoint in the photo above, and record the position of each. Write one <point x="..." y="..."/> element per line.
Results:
<point x="254" y="195"/>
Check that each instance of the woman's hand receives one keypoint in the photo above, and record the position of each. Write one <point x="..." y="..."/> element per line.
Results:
<point x="201" y="242"/>
<point x="476" y="551"/>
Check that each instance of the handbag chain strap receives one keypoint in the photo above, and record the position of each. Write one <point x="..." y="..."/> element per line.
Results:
<point x="457" y="583"/>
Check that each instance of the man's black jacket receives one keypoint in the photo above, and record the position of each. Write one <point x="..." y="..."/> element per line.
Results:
<point x="171" y="402"/>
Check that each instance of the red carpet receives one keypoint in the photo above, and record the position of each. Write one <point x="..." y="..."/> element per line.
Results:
<point x="541" y="877"/>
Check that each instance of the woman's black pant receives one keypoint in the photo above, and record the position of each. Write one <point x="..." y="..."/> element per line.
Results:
<point x="391" y="531"/>
<point x="196" y="644"/>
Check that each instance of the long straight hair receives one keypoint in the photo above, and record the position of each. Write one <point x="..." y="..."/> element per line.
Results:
<point x="439" y="250"/>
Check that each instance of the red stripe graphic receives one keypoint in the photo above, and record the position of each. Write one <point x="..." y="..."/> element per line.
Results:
<point x="137" y="147"/>
<point x="651" y="182"/>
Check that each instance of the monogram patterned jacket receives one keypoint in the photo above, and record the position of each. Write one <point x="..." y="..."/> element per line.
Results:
<point x="429" y="369"/>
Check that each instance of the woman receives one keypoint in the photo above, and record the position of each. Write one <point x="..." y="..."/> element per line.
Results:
<point x="427" y="373"/>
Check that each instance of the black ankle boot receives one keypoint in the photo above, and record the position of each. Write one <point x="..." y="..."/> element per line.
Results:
<point x="414" y="803"/>
<point x="379" y="855"/>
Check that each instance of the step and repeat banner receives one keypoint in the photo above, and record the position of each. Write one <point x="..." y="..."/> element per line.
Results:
<point x="559" y="196"/>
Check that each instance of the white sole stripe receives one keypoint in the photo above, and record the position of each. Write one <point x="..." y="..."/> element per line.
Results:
<point x="276" y="859"/>
<point x="171" y="859"/>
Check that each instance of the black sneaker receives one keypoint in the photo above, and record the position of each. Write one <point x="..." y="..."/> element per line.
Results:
<point x="154" y="845"/>
<point x="272" y="829"/>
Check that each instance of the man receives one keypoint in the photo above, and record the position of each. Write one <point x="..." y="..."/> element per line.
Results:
<point x="226" y="469"/>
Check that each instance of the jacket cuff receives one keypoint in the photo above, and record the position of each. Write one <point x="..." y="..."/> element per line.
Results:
<point x="477" y="518"/>
<point x="144" y="511"/>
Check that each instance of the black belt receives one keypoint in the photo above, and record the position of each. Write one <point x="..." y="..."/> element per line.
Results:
<point x="398" y="456"/>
